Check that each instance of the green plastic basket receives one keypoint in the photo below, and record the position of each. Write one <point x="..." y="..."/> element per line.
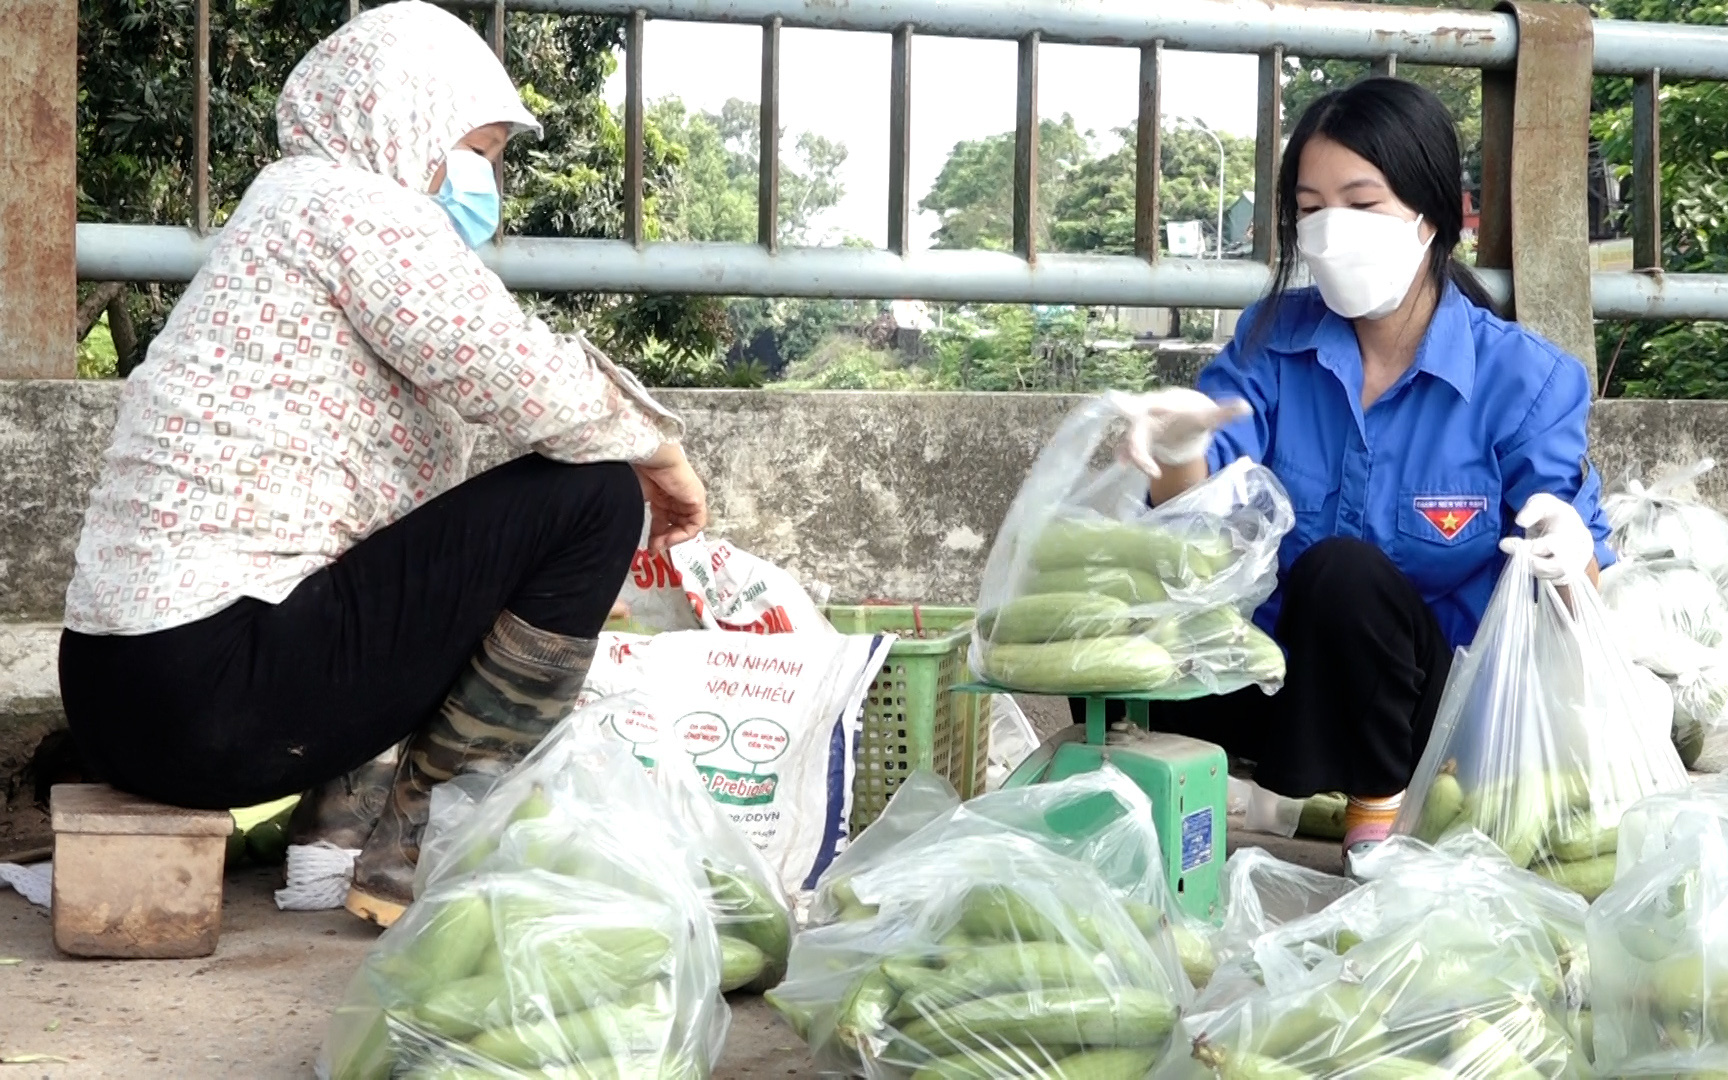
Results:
<point x="913" y="719"/>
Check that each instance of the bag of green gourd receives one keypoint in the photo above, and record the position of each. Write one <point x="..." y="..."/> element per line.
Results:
<point x="981" y="955"/>
<point x="1448" y="962"/>
<point x="1659" y="947"/>
<point x="743" y="895"/>
<point x="563" y="928"/>
<point x="1100" y="819"/>
<point x="1088" y="589"/>
<point x="1542" y="739"/>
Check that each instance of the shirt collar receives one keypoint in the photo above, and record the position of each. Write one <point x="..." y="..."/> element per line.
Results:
<point x="1447" y="352"/>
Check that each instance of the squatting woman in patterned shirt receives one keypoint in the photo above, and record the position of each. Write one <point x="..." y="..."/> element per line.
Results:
<point x="282" y="572"/>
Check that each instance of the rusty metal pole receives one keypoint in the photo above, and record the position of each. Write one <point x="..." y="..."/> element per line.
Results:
<point x="1535" y="188"/>
<point x="1026" y="153"/>
<point x="497" y="24"/>
<point x="1147" y="160"/>
<point x="900" y="143"/>
<point x="1268" y="152"/>
<point x="768" y="141"/>
<point x="1647" y="172"/>
<point x="201" y="119"/>
<point x="38" y="184"/>
<point x="635" y="225"/>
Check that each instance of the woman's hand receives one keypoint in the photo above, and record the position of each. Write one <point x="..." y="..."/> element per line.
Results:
<point x="677" y="501"/>
<point x="1172" y="427"/>
<point x="1561" y="547"/>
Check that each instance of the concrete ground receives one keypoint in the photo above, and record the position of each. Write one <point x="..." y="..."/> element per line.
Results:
<point x="258" y="1007"/>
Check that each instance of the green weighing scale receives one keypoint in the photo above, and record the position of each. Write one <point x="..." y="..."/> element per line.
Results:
<point x="1187" y="781"/>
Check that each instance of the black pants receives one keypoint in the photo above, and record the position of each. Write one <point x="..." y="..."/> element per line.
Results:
<point x="263" y="700"/>
<point x="1367" y="662"/>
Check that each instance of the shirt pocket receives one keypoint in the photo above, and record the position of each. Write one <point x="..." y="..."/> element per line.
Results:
<point x="1447" y="530"/>
<point x="1314" y="501"/>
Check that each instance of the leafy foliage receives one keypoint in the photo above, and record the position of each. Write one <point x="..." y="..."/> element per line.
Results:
<point x="713" y="196"/>
<point x="1085" y="199"/>
<point x="135" y="151"/>
<point x="1008" y="347"/>
<point x="843" y="361"/>
<point x="974" y="192"/>
<point x="1671" y="359"/>
<point x="135" y="135"/>
<point x="1095" y="210"/>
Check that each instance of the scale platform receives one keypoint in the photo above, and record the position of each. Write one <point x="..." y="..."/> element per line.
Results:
<point x="1186" y="780"/>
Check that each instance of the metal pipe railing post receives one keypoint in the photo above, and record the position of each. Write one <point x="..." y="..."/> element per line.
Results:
<point x="635" y="227"/>
<point x="38" y="190"/>
<point x="1495" y="42"/>
<point x="1148" y="160"/>
<point x="1647" y="172"/>
<point x="1026" y="152"/>
<point x="768" y="141"/>
<point x="201" y="118"/>
<point x="900" y="142"/>
<point x="1268" y="147"/>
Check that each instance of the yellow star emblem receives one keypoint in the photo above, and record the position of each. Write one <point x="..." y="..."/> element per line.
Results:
<point x="1450" y="522"/>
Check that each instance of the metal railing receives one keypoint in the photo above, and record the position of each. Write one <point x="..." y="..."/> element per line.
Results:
<point x="1386" y="36"/>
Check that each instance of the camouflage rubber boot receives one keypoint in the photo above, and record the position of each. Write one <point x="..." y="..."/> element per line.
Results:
<point x="344" y="811"/>
<point x="519" y="684"/>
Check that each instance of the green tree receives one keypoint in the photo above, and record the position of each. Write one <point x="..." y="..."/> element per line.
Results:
<point x="1096" y="212"/>
<point x="1672" y="359"/>
<point x="974" y="192"/>
<point x="135" y="141"/>
<point x="713" y="195"/>
<point x="134" y="124"/>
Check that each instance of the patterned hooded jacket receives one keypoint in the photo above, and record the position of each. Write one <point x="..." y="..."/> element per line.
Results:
<point x="315" y="382"/>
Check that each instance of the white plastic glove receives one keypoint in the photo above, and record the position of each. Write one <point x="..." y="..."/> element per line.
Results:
<point x="1171" y="427"/>
<point x="1561" y="546"/>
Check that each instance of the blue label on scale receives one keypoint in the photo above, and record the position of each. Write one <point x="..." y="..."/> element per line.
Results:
<point x="1197" y="839"/>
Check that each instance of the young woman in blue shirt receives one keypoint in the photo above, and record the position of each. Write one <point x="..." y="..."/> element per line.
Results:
<point x="1415" y="431"/>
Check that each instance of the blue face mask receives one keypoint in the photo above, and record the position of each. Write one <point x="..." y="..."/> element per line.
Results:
<point x="470" y="196"/>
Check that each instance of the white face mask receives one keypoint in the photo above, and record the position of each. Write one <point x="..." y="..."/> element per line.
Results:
<point x="1363" y="262"/>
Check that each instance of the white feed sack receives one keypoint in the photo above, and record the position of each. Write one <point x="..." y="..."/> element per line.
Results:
<point x="709" y="584"/>
<point x="770" y="721"/>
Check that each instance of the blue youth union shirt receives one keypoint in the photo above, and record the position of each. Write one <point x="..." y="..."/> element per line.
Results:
<point x="1434" y="472"/>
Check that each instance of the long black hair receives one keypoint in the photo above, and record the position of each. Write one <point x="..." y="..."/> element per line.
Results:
<point x="1403" y="130"/>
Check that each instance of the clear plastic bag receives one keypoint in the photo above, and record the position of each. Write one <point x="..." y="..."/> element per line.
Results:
<point x="1450" y="962"/>
<point x="1090" y="590"/>
<point x="1663" y="521"/>
<point x="1263" y="892"/>
<point x="743" y="895"/>
<point x="1100" y="819"/>
<point x="1012" y="740"/>
<point x="563" y="927"/>
<point x="1659" y="949"/>
<point x="1541" y="740"/>
<point x="982" y="955"/>
<point x="1651" y="828"/>
<point x="1674" y="621"/>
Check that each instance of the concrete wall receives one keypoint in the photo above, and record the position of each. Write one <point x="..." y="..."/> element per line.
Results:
<point x="881" y="496"/>
<point x="878" y="495"/>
